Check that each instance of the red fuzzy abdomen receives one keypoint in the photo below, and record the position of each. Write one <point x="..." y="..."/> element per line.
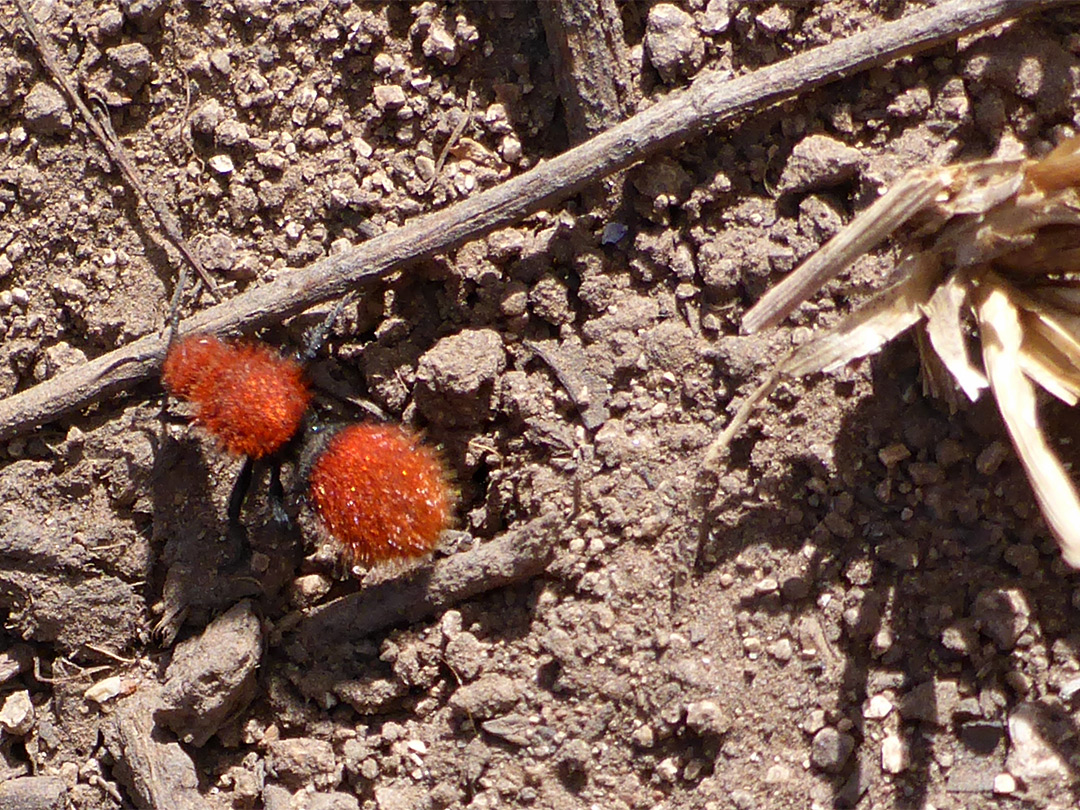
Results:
<point x="380" y="493"/>
<point x="248" y="397"/>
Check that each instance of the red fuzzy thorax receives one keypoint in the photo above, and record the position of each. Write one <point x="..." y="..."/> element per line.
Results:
<point x="380" y="493"/>
<point x="247" y="396"/>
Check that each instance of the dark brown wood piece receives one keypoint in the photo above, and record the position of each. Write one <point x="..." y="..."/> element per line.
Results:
<point x="591" y="63"/>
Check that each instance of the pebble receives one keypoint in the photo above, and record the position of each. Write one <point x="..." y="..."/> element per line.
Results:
<point x="490" y="696"/>
<point x="991" y="457"/>
<point x="144" y="13"/>
<point x="17" y="713"/>
<point x="308" y="589"/>
<point x="644" y="737"/>
<point x="104" y="690"/>
<point x="455" y="379"/>
<point x="389" y="97"/>
<point x="1069" y="689"/>
<point x="465" y="655"/>
<point x="45" y="110"/>
<point x="130" y="65"/>
<point x="1002" y="614"/>
<point x="766" y="585"/>
<point x="440" y="44"/>
<point x="1034" y="754"/>
<point x="830" y="749"/>
<point x="819" y="161"/>
<point x="877" y="708"/>
<point x="894" y="755"/>
<point x="212" y="676"/>
<point x="706" y="718"/>
<point x="222" y="164"/>
<point x="668" y="769"/>
<point x="1004" y="783"/>
<point x="782" y="650"/>
<point x="672" y="42"/>
<point x="893" y="454"/>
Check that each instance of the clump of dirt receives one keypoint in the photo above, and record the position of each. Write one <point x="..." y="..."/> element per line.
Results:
<point x="866" y="608"/>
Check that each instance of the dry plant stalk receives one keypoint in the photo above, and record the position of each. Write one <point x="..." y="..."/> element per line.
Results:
<point x="997" y="248"/>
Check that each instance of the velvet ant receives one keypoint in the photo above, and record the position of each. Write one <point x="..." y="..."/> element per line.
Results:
<point x="375" y="488"/>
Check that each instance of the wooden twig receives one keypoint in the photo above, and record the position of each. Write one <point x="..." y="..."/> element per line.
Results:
<point x="591" y="63"/>
<point x="516" y="556"/>
<point x="102" y="130"/>
<point x="708" y="102"/>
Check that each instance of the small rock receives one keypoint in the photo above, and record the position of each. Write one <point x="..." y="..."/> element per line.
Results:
<point x="1069" y="689"/>
<point x="17" y="714"/>
<point x="877" y="708"/>
<point x="782" y="650"/>
<point x="222" y="164"/>
<point x="830" y="749"/>
<point x="668" y="769"/>
<point x="440" y="44"/>
<point x="455" y="379"/>
<point x="302" y="761"/>
<point x="716" y="18"/>
<point x="490" y="696"/>
<point x="308" y="589"/>
<point x="644" y="737"/>
<point x="706" y="718"/>
<point x="212" y="676"/>
<point x="819" y="161"/>
<point x="894" y="755"/>
<point x="105" y="690"/>
<point x="1002" y="614"/>
<point x="514" y="728"/>
<point x="465" y="656"/>
<point x="1035" y="751"/>
<point x="372" y="695"/>
<point x="1004" y="783"/>
<point x="575" y="757"/>
<point x="45" y="110"/>
<point x="144" y="13"/>
<point x="893" y="454"/>
<point x="130" y="65"/>
<point x="389" y="97"/>
<point x="672" y="42"/>
<point x="795" y="588"/>
<point x="766" y="585"/>
<point x="961" y="637"/>
<point x="991" y="457"/>
<point x="206" y="117"/>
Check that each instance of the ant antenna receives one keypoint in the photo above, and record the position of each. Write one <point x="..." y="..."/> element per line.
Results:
<point x="316" y="336"/>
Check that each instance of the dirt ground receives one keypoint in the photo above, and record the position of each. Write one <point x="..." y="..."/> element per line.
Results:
<point x="866" y="609"/>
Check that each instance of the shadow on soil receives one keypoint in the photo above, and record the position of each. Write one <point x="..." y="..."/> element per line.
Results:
<point x="952" y="580"/>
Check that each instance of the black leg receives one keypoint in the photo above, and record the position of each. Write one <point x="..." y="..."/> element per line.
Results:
<point x="276" y="495"/>
<point x="239" y="493"/>
<point x="237" y="551"/>
<point x="316" y="336"/>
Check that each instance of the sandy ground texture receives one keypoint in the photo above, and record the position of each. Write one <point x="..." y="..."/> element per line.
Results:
<point x="865" y="609"/>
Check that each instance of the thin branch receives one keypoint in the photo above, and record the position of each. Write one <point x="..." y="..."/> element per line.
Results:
<point x="102" y="130"/>
<point x="708" y="102"/>
<point x="515" y="556"/>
